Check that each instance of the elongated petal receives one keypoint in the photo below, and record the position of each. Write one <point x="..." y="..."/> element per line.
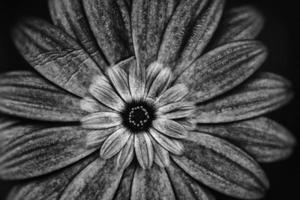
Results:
<point x="29" y="150"/>
<point x="169" y="128"/>
<point x="173" y="94"/>
<point x="55" y="55"/>
<point x="105" y="94"/>
<point x="185" y="187"/>
<point x="160" y="83"/>
<point x="222" y="69"/>
<point x="91" y="105"/>
<point x="114" y="143"/>
<point x="110" y="23"/>
<point x="101" y="120"/>
<point x="221" y="166"/>
<point x="169" y="144"/>
<point x="161" y="155"/>
<point x="149" y="19"/>
<point x="189" y="31"/>
<point x="125" y="156"/>
<point x="240" y="23"/>
<point x="119" y="78"/>
<point x="124" y="189"/>
<point x="99" y="180"/>
<point x="143" y="150"/>
<point x="151" y="184"/>
<point x="97" y="137"/>
<point x="26" y="94"/>
<point x="176" y="110"/>
<point x="137" y="81"/>
<point x="265" y="93"/>
<point x="49" y="187"/>
<point x="264" y="139"/>
<point x="69" y="16"/>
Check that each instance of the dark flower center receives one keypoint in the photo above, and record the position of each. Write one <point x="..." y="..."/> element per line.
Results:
<point x="138" y="116"/>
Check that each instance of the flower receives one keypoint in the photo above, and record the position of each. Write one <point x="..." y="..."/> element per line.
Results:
<point x="141" y="100"/>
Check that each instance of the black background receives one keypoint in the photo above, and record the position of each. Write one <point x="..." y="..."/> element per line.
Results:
<point x="281" y="35"/>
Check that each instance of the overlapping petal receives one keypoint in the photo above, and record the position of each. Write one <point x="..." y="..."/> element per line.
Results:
<point x="31" y="149"/>
<point x="264" y="139"/>
<point x="55" y="55"/>
<point x="222" y="166"/>
<point x="26" y="94"/>
<point x="264" y="93"/>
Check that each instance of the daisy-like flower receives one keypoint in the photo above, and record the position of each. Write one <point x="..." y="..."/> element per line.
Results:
<point x="141" y="99"/>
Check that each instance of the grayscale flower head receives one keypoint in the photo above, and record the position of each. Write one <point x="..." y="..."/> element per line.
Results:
<point x="141" y="99"/>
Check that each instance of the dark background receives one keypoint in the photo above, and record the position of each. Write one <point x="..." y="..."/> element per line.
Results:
<point x="281" y="35"/>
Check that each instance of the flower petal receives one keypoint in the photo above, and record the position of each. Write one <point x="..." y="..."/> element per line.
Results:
<point x="30" y="150"/>
<point x="169" y="144"/>
<point x="97" y="137"/>
<point x="264" y="139"/>
<point x="125" y="156"/>
<point x="70" y="17"/>
<point x="137" y="81"/>
<point x="176" y="110"/>
<point x="240" y="23"/>
<point x="119" y="78"/>
<point x="91" y="105"/>
<point x="221" y="166"/>
<point x="49" y="187"/>
<point x="169" y="128"/>
<point x="105" y="94"/>
<point x="185" y="187"/>
<point x="143" y="150"/>
<point x="55" y="55"/>
<point x="265" y="93"/>
<point x="149" y="19"/>
<point x="101" y="120"/>
<point x="114" y="143"/>
<point x="160" y="83"/>
<point x="189" y="31"/>
<point x="124" y="189"/>
<point x="173" y="94"/>
<point x="222" y="69"/>
<point x="99" y="180"/>
<point x="110" y="23"/>
<point x="26" y="94"/>
<point x="151" y="184"/>
<point x="161" y="155"/>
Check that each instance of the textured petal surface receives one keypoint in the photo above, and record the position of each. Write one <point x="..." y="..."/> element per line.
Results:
<point x="169" y="144"/>
<point x="95" y="138"/>
<point x="137" y="81"/>
<point x="125" y="156"/>
<point x="114" y="143"/>
<point x="48" y="187"/>
<point x="91" y="105"/>
<point x="124" y="189"/>
<point x="221" y="166"/>
<point x="110" y="23"/>
<point x="264" y="139"/>
<point x="101" y="120"/>
<point x="161" y="155"/>
<point x="176" y="110"/>
<point x="102" y="90"/>
<point x="143" y="150"/>
<point x="185" y="187"/>
<point x="169" y="128"/>
<point x="240" y="23"/>
<point x="264" y="93"/>
<point x="173" y="94"/>
<point x="55" y="55"/>
<point x="149" y="19"/>
<point x="222" y="69"/>
<point x="189" y="31"/>
<point x="26" y="94"/>
<point x="29" y="150"/>
<point x="151" y="184"/>
<point x="99" y="180"/>
<point x="69" y="16"/>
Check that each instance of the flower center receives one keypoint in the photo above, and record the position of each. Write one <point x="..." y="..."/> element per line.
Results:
<point x="138" y="116"/>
